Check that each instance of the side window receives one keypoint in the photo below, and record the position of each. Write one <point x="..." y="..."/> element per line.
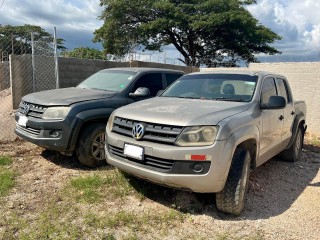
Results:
<point x="283" y="89"/>
<point x="171" y="77"/>
<point x="268" y="89"/>
<point x="153" y="81"/>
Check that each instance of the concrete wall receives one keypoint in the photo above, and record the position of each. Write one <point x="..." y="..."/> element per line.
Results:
<point x="4" y="75"/>
<point x="304" y="79"/>
<point x="21" y="77"/>
<point x="72" y="71"/>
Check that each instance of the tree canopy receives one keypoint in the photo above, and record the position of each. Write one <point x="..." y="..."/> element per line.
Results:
<point x="86" y="53"/>
<point x="203" y="31"/>
<point x="17" y="39"/>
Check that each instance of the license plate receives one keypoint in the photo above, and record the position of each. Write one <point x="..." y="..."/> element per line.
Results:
<point x="23" y="121"/>
<point x="133" y="151"/>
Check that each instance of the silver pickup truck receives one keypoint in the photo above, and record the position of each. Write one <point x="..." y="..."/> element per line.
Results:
<point x="206" y="132"/>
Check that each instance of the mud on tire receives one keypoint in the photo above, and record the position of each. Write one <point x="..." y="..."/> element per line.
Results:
<point x="232" y="198"/>
<point x="90" y="148"/>
<point x="293" y="153"/>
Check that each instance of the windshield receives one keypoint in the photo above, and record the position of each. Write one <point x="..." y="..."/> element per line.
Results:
<point x="225" y="87"/>
<point x="111" y="80"/>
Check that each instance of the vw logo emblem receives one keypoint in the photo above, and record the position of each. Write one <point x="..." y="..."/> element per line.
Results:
<point x="25" y="109"/>
<point x="138" y="131"/>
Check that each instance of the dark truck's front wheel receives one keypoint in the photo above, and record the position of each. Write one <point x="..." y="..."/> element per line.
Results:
<point x="232" y="198"/>
<point x="90" y="149"/>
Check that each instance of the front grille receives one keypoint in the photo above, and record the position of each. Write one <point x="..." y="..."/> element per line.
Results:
<point x="159" y="164"/>
<point x="163" y="165"/>
<point x="29" y="130"/>
<point x="34" y="110"/>
<point x="154" y="132"/>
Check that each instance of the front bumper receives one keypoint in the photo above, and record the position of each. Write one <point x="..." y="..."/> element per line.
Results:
<point x="211" y="179"/>
<point x="50" y="134"/>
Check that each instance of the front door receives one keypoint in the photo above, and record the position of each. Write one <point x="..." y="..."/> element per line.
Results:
<point x="152" y="81"/>
<point x="272" y="123"/>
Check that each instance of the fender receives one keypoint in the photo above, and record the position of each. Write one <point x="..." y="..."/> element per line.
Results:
<point x="295" y="126"/>
<point x="240" y="135"/>
<point x="86" y="116"/>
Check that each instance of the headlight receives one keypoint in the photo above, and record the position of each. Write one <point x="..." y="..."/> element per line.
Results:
<point x="110" y="121"/>
<point x="197" y="136"/>
<point x="56" y="113"/>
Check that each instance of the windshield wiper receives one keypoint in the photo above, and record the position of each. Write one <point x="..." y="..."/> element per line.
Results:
<point x="188" y="97"/>
<point x="229" y="99"/>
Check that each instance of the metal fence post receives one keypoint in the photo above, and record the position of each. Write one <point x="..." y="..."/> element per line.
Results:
<point x="56" y="57"/>
<point x="33" y="64"/>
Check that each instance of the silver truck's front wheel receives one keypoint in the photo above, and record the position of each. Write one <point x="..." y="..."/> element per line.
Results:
<point x="232" y="198"/>
<point x="90" y="149"/>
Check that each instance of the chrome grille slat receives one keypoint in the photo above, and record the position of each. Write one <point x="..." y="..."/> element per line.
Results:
<point x="30" y="130"/>
<point x="35" y="110"/>
<point x="155" y="132"/>
<point x="153" y="162"/>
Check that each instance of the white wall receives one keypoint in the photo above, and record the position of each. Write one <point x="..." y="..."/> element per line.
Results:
<point x="304" y="79"/>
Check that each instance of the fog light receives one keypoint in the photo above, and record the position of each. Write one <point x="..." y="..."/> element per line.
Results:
<point x="198" y="168"/>
<point x="54" y="134"/>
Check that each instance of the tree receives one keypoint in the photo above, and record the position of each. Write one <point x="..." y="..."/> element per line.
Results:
<point x="201" y="30"/>
<point x="86" y="53"/>
<point x="17" y="39"/>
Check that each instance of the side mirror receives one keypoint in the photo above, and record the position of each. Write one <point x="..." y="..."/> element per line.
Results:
<point x="140" y="92"/>
<point x="159" y="92"/>
<point x="275" y="102"/>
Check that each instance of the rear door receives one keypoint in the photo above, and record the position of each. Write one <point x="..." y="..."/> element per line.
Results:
<point x="288" y="111"/>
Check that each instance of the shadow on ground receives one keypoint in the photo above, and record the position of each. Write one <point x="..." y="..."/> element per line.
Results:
<point x="274" y="187"/>
<point x="66" y="161"/>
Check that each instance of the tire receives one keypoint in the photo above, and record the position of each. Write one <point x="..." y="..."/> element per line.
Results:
<point x="90" y="149"/>
<point x="293" y="153"/>
<point x="232" y="198"/>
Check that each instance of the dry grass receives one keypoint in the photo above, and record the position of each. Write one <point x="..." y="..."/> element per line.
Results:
<point x="54" y="197"/>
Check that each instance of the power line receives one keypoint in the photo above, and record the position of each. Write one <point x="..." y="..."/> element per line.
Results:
<point x="2" y="3"/>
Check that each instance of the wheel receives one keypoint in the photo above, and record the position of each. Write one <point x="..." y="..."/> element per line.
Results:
<point x="293" y="153"/>
<point x="90" y="149"/>
<point x="232" y="198"/>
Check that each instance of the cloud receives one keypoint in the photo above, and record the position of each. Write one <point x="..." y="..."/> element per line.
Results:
<point x="298" y="22"/>
<point x="75" y="20"/>
<point x="295" y="20"/>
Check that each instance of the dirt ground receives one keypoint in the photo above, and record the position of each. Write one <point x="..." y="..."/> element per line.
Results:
<point x="7" y="123"/>
<point x="283" y="203"/>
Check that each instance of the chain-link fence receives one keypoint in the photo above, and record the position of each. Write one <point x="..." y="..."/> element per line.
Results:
<point x="26" y="66"/>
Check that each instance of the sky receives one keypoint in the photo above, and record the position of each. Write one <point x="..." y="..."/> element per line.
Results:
<point x="298" y="22"/>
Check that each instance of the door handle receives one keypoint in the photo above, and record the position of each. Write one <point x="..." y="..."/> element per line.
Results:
<point x="281" y="117"/>
<point x="292" y="113"/>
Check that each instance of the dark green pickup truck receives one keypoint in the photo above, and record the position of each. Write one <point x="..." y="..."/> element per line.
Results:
<point x="73" y="119"/>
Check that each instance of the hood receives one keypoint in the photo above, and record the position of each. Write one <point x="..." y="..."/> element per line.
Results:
<point x="181" y="112"/>
<point x="65" y="96"/>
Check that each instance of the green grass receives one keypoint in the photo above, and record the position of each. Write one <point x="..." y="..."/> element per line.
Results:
<point x="7" y="177"/>
<point x="87" y="188"/>
<point x="7" y="182"/>
<point x="102" y="184"/>
<point x="5" y="160"/>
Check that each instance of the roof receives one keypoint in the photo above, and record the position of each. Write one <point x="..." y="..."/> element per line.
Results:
<point x="144" y="69"/>
<point x="243" y="71"/>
